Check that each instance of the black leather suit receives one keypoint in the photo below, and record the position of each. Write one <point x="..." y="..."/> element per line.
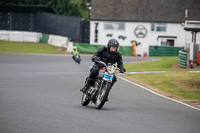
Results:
<point x="106" y="56"/>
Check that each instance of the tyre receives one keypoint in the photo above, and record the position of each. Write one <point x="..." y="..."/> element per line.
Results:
<point x="85" y="100"/>
<point x="103" y="95"/>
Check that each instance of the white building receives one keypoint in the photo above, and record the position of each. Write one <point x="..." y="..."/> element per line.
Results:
<point x="150" y="22"/>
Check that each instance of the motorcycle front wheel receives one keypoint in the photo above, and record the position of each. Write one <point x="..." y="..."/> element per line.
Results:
<point x="102" y="95"/>
<point x="85" y="100"/>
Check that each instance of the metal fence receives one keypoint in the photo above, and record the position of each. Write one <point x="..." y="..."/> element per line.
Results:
<point x="17" y="21"/>
<point x="44" y="20"/>
<point x="59" y="25"/>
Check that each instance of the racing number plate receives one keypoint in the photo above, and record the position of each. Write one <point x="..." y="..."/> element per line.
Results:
<point x="108" y="77"/>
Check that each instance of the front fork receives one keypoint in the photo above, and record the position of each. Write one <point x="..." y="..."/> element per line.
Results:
<point x="103" y="83"/>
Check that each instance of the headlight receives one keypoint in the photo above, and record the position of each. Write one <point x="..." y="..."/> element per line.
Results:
<point x="111" y="69"/>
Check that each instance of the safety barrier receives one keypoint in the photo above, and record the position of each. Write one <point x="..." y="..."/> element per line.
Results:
<point x="44" y="38"/>
<point x="182" y="59"/>
<point x="20" y="36"/>
<point x="25" y="36"/>
<point x="164" y="50"/>
<point x="59" y="41"/>
<point x="90" y="49"/>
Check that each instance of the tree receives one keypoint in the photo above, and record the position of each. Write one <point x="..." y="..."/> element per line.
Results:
<point x="76" y="8"/>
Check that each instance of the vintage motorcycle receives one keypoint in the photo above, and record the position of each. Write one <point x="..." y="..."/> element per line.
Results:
<point x="98" y="93"/>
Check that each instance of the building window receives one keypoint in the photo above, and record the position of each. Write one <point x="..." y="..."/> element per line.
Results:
<point x="152" y="26"/>
<point x="114" y="25"/>
<point x="158" y="27"/>
<point x="167" y="42"/>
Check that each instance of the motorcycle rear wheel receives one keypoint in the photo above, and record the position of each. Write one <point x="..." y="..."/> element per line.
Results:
<point x="103" y="95"/>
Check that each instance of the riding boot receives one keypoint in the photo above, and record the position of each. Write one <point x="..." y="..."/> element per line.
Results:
<point x="88" y="83"/>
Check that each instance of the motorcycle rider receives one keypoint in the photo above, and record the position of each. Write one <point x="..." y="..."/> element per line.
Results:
<point x="109" y="54"/>
<point x="75" y="52"/>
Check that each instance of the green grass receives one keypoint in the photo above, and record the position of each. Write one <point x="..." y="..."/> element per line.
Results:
<point x="27" y="47"/>
<point x="165" y="63"/>
<point x="181" y="83"/>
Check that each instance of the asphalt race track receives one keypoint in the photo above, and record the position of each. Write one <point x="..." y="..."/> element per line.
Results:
<point x="40" y="94"/>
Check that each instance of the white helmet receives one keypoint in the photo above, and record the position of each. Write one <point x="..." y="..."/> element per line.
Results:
<point x="74" y="47"/>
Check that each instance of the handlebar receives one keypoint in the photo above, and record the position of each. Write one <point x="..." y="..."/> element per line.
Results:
<point x="104" y="64"/>
<point x="119" y="70"/>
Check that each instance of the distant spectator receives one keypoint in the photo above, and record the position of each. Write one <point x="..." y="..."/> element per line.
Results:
<point x="133" y="43"/>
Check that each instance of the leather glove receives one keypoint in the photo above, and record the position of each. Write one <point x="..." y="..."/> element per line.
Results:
<point x="96" y="59"/>
<point x="122" y="70"/>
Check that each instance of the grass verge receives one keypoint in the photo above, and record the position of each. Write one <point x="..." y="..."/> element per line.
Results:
<point x="181" y="85"/>
<point x="28" y="47"/>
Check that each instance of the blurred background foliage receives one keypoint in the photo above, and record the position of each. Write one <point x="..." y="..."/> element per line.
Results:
<point x="75" y="8"/>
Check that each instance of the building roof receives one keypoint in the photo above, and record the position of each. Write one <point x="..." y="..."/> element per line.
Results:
<point x="145" y="10"/>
